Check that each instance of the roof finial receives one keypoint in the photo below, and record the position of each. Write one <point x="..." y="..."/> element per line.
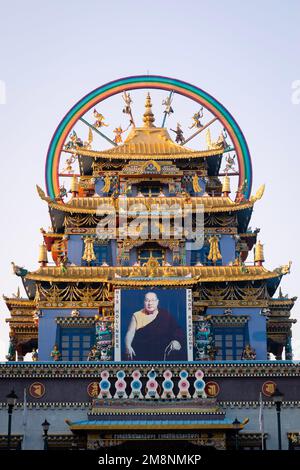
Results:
<point x="148" y="117"/>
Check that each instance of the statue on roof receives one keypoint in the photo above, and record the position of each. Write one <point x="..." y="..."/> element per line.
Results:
<point x="127" y="100"/>
<point x="230" y="162"/>
<point x="196" y="119"/>
<point x="118" y="134"/>
<point x="74" y="141"/>
<point x="18" y="270"/>
<point x="99" y="119"/>
<point x="34" y="355"/>
<point x="11" y="354"/>
<point x="222" y="139"/>
<point x="68" y="168"/>
<point x="127" y="108"/>
<point x="179" y="134"/>
<point x="167" y="103"/>
<point x="88" y="143"/>
<point x="55" y="353"/>
<point x="248" y="354"/>
<point x="62" y="192"/>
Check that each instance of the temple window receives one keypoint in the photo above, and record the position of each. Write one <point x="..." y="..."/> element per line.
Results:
<point x="75" y="343"/>
<point x="148" y="189"/>
<point x="230" y="343"/>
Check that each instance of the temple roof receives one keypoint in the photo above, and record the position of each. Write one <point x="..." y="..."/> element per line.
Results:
<point x="18" y="302"/>
<point x="92" y="205"/>
<point x="154" y="424"/>
<point x="189" y="274"/>
<point x="147" y="144"/>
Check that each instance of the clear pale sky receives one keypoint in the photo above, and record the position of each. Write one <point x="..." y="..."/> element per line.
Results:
<point x="246" y="54"/>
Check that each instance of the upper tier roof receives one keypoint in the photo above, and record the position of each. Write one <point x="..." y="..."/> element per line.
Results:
<point x="148" y="143"/>
<point x="92" y="205"/>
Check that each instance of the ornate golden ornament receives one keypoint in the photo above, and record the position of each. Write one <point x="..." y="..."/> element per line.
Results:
<point x="89" y="253"/>
<point x="214" y="253"/>
<point x="259" y="193"/>
<point x="196" y="186"/>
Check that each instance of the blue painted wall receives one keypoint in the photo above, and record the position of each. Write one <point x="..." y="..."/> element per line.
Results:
<point x="112" y="246"/>
<point x="99" y="184"/>
<point x="133" y="256"/>
<point x="75" y="246"/>
<point x="257" y="328"/>
<point x="48" y="329"/>
<point x="227" y="248"/>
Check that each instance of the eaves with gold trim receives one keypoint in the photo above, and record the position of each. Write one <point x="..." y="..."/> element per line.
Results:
<point x="151" y="143"/>
<point x="97" y="205"/>
<point x="163" y="275"/>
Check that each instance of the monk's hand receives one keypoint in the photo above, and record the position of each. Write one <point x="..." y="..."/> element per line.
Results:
<point x="175" y="345"/>
<point x="130" y="352"/>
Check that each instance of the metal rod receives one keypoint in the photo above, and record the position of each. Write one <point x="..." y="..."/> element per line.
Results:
<point x="200" y="130"/>
<point x="278" y="409"/>
<point x="46" y="440"/>
<point x="9" y="426"/>
<point x="229" y="174"/>
<point x="98" y="132"/>
<point x="68" y="174"/>
<point x="229" y="149"/>
<point x="236" y="440"/>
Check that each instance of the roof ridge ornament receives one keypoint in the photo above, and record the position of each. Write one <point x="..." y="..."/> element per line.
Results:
<point x="259" y="193"/>
<point x="148" y="117"/>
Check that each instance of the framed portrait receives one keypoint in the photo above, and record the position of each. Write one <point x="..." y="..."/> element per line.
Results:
<point x="153" y="325"/>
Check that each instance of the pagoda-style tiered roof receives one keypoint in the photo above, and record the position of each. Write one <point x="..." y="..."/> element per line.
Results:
<point x="150" y="142"/>
<point x="92" y="205"/>
<point x="146" y="144"/>
<point x="127" y="273"/>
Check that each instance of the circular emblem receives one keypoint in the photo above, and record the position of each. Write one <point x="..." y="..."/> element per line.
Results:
<point x="268" y="388"/>
<point x="212" y="389"/>
<point x="120" y="385"/>
<point x="37" y="390"/>
<point x="93" y="389"/>
<point x="136" y="384"/>
<point x="199" y="374"/>
<point x="168" y="384"/>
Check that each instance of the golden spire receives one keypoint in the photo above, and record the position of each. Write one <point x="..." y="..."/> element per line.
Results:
<point x="148" y="117"/>
<point x="43" y="258"/>
<point x="226" y="185"/>
<point x="259" y="254"/>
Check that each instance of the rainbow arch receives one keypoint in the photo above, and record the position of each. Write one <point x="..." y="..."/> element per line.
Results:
<point x="139" y="82"/>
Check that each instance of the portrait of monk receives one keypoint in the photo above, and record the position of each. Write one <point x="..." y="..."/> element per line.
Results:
<point x="154" y="334"/>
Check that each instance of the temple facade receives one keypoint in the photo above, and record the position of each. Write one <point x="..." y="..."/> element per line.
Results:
<point x="152" y="315"/>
